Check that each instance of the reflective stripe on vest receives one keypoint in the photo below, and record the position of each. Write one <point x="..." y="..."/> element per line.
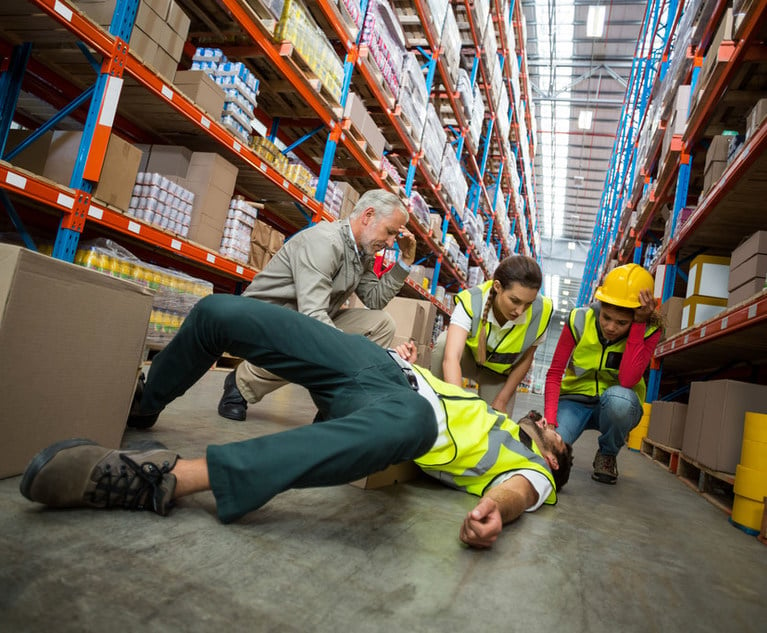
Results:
<point x="480" y="443"/>
<point x="594" y="367"/>
<point x="517" y="340"/>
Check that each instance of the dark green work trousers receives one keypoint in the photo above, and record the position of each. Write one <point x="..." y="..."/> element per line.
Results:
<point x="372" y="417"/>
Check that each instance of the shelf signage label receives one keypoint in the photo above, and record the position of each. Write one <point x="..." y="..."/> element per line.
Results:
<point x="237" y="147"/>
<point x="240" y="270"/>
<point x="65" y="201"/>
<point x="63" y="10"/>
<point x="205" y="121"/>
<point x="211" y="258"/>
<point x="95" y="212"/>
<point x="175" y="244"/>
<point x="167" y="92"/>
<point x="134" y="227"/>
<point x="17" y="181"/>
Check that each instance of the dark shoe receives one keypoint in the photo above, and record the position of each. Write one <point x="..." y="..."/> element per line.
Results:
<point x="79" y="473"/>
<point x="136" y="419"/>
<point x="232" y="405"/>
<point x="605" y="468"/>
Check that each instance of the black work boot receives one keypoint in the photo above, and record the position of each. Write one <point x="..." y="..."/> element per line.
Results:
<point x="232" y="405"/>
<point x="137" y="420"/>
<point x="605" y="468"/>
<point x="81" y="474"/>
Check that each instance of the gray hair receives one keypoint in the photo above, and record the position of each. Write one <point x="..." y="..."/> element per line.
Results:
<point x="384" y="202"/>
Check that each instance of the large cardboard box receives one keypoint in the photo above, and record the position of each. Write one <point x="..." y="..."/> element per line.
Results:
<point x="395" y="474"/>
<point x="697" y="309"/>
<point x="746" y="291"/>
<point x="33" y="157"/>
<point x="168" y="160"/>
<point x="756" y="244"/>
<point x="414" y="319"/>
<point x="753" y="268"/>
<point x="118" y="173"/>
<point x="72" y="340"/>
<point x="667" y="421"/>
<point x="717" y="409"/>
<point x="671" y="311"/>
<point x="211" y="178"/>
<point x="202" y="90"/>
<point x="708" y="276"/>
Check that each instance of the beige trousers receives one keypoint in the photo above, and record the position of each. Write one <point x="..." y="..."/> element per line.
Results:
<point x="378" y="326"/>
<point x="490" y="383"/>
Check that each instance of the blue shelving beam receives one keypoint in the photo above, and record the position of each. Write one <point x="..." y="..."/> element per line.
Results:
<point x="653" y="40"/>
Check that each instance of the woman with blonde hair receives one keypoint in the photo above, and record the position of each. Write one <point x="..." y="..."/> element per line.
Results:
<point x="494" y="331"/>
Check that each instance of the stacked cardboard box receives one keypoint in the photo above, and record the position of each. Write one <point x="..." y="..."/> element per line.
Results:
<point x="414" y="319"/>
<point x="64" y="372"/>
<point x="706" y="289"/>
<point x="158" y="34"/>
<point x="667" y="423"/>
<point x="265" y="241"/>
<point x="364" y="125"/>
<point x="748" y="268"/>
<point x="203" y="90"/>
<point x="713" y="429"/>
<point x="716" y="160"/>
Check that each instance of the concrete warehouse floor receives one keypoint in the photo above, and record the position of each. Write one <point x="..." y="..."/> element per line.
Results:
<point x="648" y="554"/>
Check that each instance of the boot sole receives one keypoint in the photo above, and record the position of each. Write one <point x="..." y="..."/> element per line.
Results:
<point x="604" y="479"/>
<point x="39" y="461"/>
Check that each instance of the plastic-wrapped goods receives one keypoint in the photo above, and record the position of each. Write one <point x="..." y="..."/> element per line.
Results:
<point x="297" y="26"/>
<point x="502" y="112"/>
<point x="354" y="10"/>
<point x="413" y="95"/>
<point x="238" y="227"/>
<point x="433" y="139"/>
<point x="175" y="293"/>
<point x="391" y="171"/>
<point x="465" y="91"/>
<point x="477" y="115"/>
<point x="159" y="201"/>
<point x="382" y="34"/>
<point x="437" y="11"/>
<point x="453" y="180"/>
<point x="450" y="43"/>
<point x="420" y="209"/>
<point x="270" y="153"/>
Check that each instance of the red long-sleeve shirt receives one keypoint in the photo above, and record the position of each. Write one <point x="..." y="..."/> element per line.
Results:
<point x="635" y="360"/>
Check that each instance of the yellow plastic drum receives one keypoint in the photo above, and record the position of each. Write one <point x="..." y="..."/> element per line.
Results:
<point x="747" y="513"/>
<point x="750" y="483"/>
<point x="755" y="427"/>
<point x="754" y="454"/>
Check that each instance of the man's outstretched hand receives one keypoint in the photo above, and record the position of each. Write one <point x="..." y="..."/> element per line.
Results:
<point x="482" y="525"/>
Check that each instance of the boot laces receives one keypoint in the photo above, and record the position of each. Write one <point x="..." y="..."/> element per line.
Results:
<point x="134" y="487"/>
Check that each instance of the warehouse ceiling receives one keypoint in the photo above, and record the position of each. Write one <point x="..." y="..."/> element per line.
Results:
<point x="578" y="78"/>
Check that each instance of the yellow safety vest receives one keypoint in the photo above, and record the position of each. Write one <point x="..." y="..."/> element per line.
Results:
<point x="482" y="443"/>
<point x="517" y="340"/>
<point x="594" y="365"/>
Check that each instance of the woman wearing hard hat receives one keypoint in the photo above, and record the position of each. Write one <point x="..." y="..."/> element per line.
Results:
<point x="494" y="332"/>
<point x="595" y="380"/>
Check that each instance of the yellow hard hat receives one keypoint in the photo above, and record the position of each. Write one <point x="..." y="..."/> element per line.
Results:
<point x="622" y="285"/>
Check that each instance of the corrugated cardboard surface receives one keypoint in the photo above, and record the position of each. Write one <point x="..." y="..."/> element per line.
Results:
<point x="72" y="340"/>
<point x="667" y="421"/>
<point x="721" y="406"/>
<point x="397" y="473"/>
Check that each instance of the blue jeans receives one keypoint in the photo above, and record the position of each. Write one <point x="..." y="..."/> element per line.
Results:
<point x="617" y="412"/>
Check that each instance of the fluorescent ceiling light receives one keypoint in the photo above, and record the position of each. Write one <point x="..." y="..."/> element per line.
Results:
<point x="571" y="246"/>
<point x="568" y="265"/>
<point x="584" y="119"/>
<point x="595" y="22"/>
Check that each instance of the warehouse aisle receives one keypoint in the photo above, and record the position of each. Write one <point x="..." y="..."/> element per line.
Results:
<point x="646" y="555"/>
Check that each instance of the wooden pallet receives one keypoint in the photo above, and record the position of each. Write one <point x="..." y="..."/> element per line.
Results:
<point x="664" y="456"/>
<point x="715" y="486"/>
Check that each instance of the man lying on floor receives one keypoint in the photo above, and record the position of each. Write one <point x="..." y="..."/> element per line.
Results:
<point x="376" y="409"/>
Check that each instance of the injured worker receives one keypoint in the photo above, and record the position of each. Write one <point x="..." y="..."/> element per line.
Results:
<point x="375" y="409"/>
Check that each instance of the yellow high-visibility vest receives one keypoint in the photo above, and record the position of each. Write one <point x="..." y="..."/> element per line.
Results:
<point x="517" y="340"/>
<point x="594" y="365"/>
<point x="481" y="443"/>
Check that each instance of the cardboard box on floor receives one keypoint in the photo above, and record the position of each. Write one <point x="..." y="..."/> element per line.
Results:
<point x="667" y="423"/>
<point x="394" y="474"/>
<point x="713" y="431"/>
<point x="72" y="340"/>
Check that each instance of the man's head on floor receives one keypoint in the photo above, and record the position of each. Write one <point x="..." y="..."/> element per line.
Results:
<point x="557" y="453"/>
